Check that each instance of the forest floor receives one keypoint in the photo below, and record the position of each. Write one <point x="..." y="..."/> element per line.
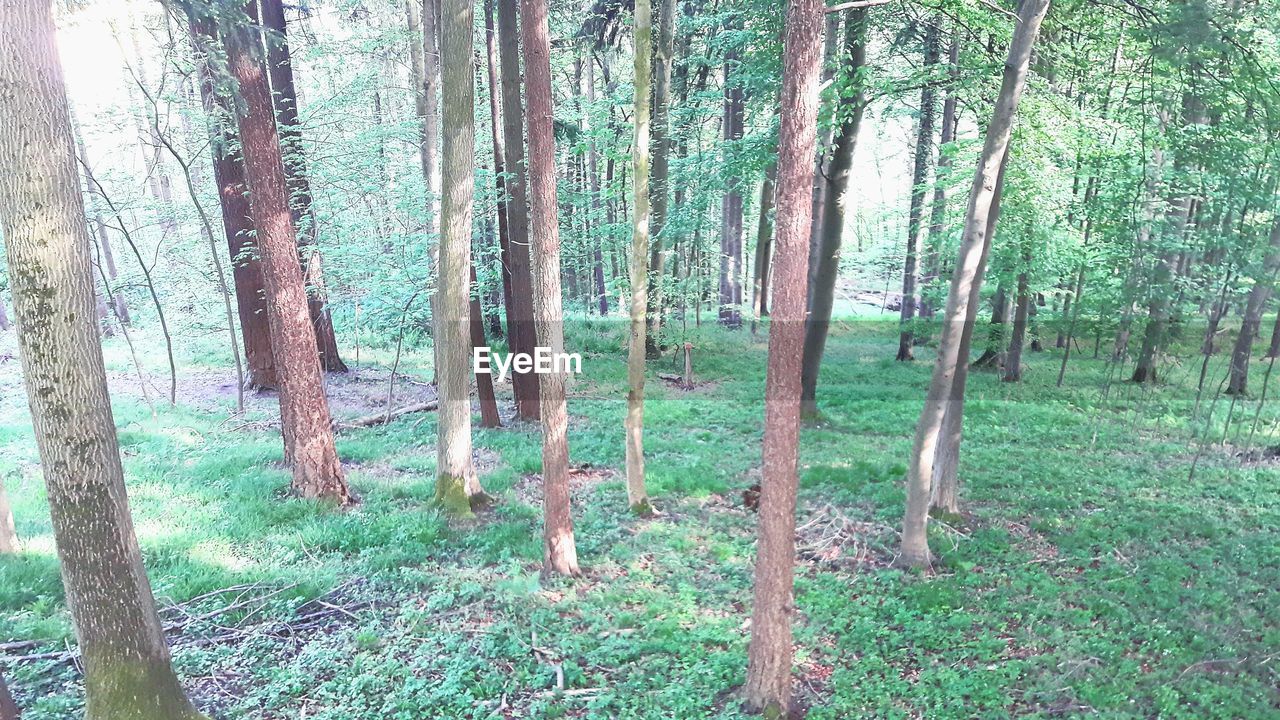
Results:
<point x="1093" y="572"/>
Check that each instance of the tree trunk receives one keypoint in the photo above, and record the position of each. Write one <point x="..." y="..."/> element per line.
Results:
<point x="4" y="317"/>
<point x="104" y="238"/>
<point x="915" y="211"/>
<point x="489" y="416"/>
<point x="525" y="337"/>
<point x="285" y="99"/>
<point x="228" y="175"/>
<point x="944" y="493"/>
<point x="992" y="356"/>
<point x="769" y="655"/>
<point x="731" y="203"/>
<point x="499" y="162"/>
<point x="8" y="532"/>
<point x="831" y="227"/>
<point x="304" y="410"/>
<point x="8" y="708"/>
<point x="593" y="190"/>
<point x="1263" y="284"/>
<point x="1013" y="360"/>
<point x="1274" y="350"/>
<point x="660" y="181"/>
<point x="560" y="554"/>
<point x="764" y="245"/>
<point x="457" y="486"/>
<point x="637" y="496"/>
<point x="938" y="212"/>
<point x="915" y="543"/>
<point x="125" y="661"/>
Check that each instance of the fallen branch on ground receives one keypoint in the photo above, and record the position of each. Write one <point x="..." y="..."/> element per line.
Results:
<point x="382" y="418"/>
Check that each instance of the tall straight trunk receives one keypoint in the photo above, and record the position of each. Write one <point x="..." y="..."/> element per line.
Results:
<point x="1263" y="285"/>
<point x="769" y="655"/>
<point x="457" y="486"/>
<point x="8" y="531"/>
<point x="992" y="356"/>
<point x="499" y="161"/>
<point x="525" y="336"/>
<point x="593" y="190"/>
<point x="915" y="543"/>
<point x="660" y="180"/>
<point x="560" y="554"/>
<point x="1013" y="360"/>
<point x="1274" y="350"/>
<point x="104" y="238"/>
<point x="731" y="202"/>
<point x="304" y="410"/>
<point x="944" y="495"/>
<point x="826" y="137"/>
<point x="285" y="102"/>
<point x="233" y="200"/>
<point x="938" y="211"/>
<point x="124" y="658"/>
<point x="8" y="708"/>
<point x="915" y="211"/>
<point x="489" y="416"/>
<point x="637" y="496"/>
<point x="424" y="72"/>
<point x="764" y="244"/>
<point x="831" y="227"/>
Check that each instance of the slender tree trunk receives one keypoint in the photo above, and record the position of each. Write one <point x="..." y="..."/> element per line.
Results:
<point x="124" y="658"/>
<point x="228" y="175"/>
<point x="8" y="532"/>
<point x="489" y="416"/>
<point x="637" y="496"/>
<point x="8" y="708"/>
<point x="457" y="486"/>
<point x="731" y="202"/>
<point x="944" y="495"/>
<point x="499" y="163"/>
<point x="769" y="655"/>
<point x="938" y="212"/>
<point x="915" y="544"/>
<point x="304" y="410"/>
<point x="1257" y="303"/>
<point x="915" y="211"/>
<point x="525" y="336"/>
<point x="660" y="181"/>
<point x="993" y="355"/>
<point x="560" y="554"/>
<point x="4" y="317"/>
<point x="285" y="99"/>
<point x="104" y="238"/>
<point x="831" y="227"/>
<point x="1013" y="360"/>
<point x="1274" y="350"/>
<point x="764" y="245"/>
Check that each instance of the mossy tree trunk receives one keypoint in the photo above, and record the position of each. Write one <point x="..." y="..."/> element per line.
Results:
<point x="769" y="655"/>
<point x="127" y="670"/>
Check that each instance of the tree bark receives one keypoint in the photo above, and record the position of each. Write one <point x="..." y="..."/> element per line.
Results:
<point x="915" y="211"/>
<point x="637" y="496"/>
<point x="525" y="336"/>
<point x="304" y="410"/>
<point x="560" y="554"/>
<point x="764" y="244"/>
<point x="1259" y="294"/>
<point x="233" y="200"/>
<point x="8" y="532"/>
<point x="593" y="189"/>
<point x="489" y="416"/>
<point x="731" y="202"/>
<point x="125" y="660"/>
<point x="831" y="227"/>
<point x="660" y="180"/>
<point x="285" y="100"/>
<point x="1274" y="350"/>
<point x="8" y="708"/>
<point x="915" y="544"/>
<point x="769" y="655"/>
<point x="1013" y="359"/>
<point x="938" y="212"/>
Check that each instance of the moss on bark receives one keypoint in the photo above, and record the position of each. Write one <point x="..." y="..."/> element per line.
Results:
<point x="451" y="495"/>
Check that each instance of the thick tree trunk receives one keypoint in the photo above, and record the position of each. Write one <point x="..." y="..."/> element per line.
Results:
<point x="915" y="211"/>
<point x="525" y="336"/>
<point x="285" y="103"/>
<point x="124" y="658"/>
<point x="233" y="200"/>
<point x="660" y="181"/>
<point x="560" y="554"/>
<point x="941" y="394"/>
<point x="1263" y="284"/>
<point x="730" y="315"/>
<point x="944" y="495"/>
<point x="831" y="227"/>
<point x="637" y="496"/>
<point x="304" y="410"/>
<point x="769" y="655"/>
<point x="764" y="245"/>
<point x="457" y="486"/>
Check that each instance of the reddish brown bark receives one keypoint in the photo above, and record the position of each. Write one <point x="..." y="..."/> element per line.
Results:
<point x="304" y="410"/>
<point x="768" y="686"/>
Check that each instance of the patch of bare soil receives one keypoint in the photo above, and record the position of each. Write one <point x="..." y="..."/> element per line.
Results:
<point x="582" y="480"/>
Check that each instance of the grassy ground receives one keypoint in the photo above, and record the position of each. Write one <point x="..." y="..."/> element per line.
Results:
<point x="1091" y="575"/>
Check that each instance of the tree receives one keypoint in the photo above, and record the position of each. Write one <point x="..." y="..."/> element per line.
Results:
<point x="125" y="660"/>
<point x="285" y="99"/>
<point x="660" y="179"/>
<point x="830" y="227"/>
<point x="637" y="496"/>
<point x="560" y="553"/>
<point x="304" y="410"/>
<point x="524" y="337"/>
<point x="768" y="686"/>
<point x="8" y="533"/>
<point x="915" y="544"/>
<point x="730" y="315"/>
<point x="8" y="708"/>
<point x="919" y="173"/>
<point x="457" y="487"/>
<point x="764" y="246"/>
<point x="1263" y="284"/>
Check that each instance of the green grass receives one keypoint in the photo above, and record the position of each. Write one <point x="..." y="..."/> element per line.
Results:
<point x="1090" y="575"/>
